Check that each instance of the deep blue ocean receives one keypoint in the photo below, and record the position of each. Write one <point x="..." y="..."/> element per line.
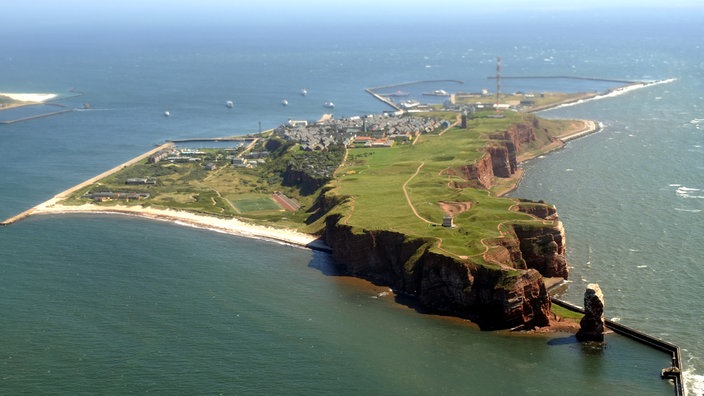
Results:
<point x="114" y="305"/>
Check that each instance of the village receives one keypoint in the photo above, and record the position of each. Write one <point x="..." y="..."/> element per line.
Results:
<point x="383" y="130"/>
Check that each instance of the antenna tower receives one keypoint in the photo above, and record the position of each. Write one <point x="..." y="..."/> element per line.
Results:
<point x="498" y="81"/>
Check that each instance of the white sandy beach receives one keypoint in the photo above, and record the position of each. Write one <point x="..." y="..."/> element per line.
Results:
<point x="29" y="97"/>
<point x="229" y="226"/>
<point x="589" y="128"/>
<point x="613" y="93"/>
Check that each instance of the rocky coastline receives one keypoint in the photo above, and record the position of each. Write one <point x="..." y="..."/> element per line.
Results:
<point x="509" y="293"/>
<point x="503" y="289"/>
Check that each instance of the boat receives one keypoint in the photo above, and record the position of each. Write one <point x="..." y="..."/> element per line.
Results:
<point x="229" y="104"/>
<point x="167" y="114"/>
<point x="409" y="104"/>
<point x="329" y="105"/>
<point x="304" y="92"/>
<point x="284" y="102"/>
<point x="437" y="92"/>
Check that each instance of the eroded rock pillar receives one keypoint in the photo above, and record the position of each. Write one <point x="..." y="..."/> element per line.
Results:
<point x="591" y="327"/>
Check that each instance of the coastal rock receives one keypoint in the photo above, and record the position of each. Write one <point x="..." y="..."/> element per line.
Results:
<point x="591" y="327"/>
<point x="478" y="175"/>
<point x="503" y="159"/>
<point x="499" y="159"/>
<point x="518" y="134"/>
<point x="495" y="298"/>
<point x="543" y="248"/>
<point x="538" y="209"/>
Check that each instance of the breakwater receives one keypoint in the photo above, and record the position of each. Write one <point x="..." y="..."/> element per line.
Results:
<point x="674" y="372"/>
<point x="219" y="139"/>
<point x="613" y="80"/>
<point x="63" y="109"/>
<point x="389" y="102"/>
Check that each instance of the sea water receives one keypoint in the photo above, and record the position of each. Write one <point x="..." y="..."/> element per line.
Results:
<point x="102" y="304"/>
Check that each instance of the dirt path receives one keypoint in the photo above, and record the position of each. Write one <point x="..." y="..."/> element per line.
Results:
<point x="408" y="198"/>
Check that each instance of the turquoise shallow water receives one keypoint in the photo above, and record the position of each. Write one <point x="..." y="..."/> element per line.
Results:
<point x="124" y="305"/>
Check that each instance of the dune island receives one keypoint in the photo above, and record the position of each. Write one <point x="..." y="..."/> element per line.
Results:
<point x="408" y="199"/>
<point x="19" y="107"/>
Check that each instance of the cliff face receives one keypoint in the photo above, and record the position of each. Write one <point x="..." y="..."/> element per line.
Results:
<point x="518" y="135"/>
<point x="479" y="174"/>
<point x="508" y="293"/>
<point x="493" y="298"/>
<point x="499" y="159"/>
<point x="503" y="159"/>
<point x="543" y="246"/>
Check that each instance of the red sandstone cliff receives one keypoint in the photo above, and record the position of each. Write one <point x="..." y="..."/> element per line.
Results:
<point x="507" y="295"/>
<point x="499" y="159"/>
<point x="542" y="244"/>
<point x="495" y="298"/>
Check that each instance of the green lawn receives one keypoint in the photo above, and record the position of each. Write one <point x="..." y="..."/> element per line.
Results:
<point x="375" y="179"/>
<point x="254" y="204"/>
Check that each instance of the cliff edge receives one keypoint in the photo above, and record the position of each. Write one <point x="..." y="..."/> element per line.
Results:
<point x="486" y="263"/>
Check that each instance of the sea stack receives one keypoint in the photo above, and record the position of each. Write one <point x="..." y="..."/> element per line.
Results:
<point x="591" y="327"/>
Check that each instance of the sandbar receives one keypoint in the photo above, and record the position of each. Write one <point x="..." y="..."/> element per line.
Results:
<point x="29" y="97"/>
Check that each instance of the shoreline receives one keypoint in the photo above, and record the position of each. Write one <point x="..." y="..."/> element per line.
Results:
<point x="607" y="94"/>
<point x="230" y="226"/>
<point x="559" y="142"/>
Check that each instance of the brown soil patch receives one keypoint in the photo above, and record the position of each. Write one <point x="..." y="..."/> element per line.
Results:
<point x="454" y="208"/>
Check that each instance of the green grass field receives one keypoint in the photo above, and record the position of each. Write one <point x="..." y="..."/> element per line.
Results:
<point x="254" y="205"/>
<point x="375" y="180"/>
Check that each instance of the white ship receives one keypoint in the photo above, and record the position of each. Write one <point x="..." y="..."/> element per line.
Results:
<point x="329" y="105"/>
<point x="437" y="92"/>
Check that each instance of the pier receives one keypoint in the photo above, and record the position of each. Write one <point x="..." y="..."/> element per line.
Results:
<point x="33" y="117"/>
<point x="673" y="372"/>
<point x="390" y="102"/>
<point x="383" y="99"/>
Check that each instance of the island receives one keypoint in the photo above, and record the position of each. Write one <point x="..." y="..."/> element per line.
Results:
<point x="411" y="200"/>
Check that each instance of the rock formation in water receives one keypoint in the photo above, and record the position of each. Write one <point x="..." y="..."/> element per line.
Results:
<point x="591" y="327"/>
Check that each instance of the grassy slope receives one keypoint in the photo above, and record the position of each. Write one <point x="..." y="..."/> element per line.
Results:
<point x="374" y="178"/>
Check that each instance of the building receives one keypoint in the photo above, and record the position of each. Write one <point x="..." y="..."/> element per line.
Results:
<point x="447" y="221"/>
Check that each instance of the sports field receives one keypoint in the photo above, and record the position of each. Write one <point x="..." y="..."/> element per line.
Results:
<point x="249" y="205"/>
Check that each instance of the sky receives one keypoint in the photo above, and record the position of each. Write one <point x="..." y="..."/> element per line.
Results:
<point x="53" y="13"/>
